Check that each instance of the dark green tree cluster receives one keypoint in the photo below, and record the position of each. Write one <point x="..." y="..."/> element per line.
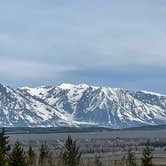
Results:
<point x="3" y="159"/>
<point x="131" y="159"/>
<point x="44" y="155"/>
<point x="147" y="156"/>
<point x="4" y="148"/>
<point x="71" y="155"/>
<point x="4" y="142"/>
<point x="97" y="161"/>
<point x="31" y="157"/>
<point x="17" y="156"/>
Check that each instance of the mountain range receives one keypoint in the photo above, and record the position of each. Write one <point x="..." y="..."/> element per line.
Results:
<point x="80" y="106"/>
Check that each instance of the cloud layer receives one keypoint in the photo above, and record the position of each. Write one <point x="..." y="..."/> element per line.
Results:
<point x="57" y="41"/>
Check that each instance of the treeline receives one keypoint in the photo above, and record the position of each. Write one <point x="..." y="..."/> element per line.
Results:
<point x="39" y="130"/>
<point x="69" y="156"/>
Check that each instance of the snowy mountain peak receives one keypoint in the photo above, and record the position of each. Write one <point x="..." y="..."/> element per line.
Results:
<point x="80" y="105"/>
<point x="67" y="86"/>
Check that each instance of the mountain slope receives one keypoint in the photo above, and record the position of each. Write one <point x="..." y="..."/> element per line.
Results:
<point x="80" y="105"/>
<point x="19" y="109"/>
<point x="102" y="106"/>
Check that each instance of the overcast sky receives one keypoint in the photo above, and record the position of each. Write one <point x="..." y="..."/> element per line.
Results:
<point x="101" y="42"/>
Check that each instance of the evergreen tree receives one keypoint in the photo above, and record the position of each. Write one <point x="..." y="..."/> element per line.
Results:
<point x="3" y="160"/>
<point x="97" y="161"/>
<point x="17" y="157"/>
<point x="4" y="143"/>
<point x="147" y="156"/>
<point x="50" y="160"/>
<point x="131" y="160"/>
<point x="71" y="155"/>
<point x="44" y="155"/>
<point x="31" y="156"/>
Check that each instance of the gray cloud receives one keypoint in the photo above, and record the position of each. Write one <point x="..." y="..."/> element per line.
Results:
<point x="32" y="70"/>
<point x="40" y="38"/>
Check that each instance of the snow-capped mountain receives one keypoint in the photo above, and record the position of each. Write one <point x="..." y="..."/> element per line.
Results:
<point x="80" y="105"/>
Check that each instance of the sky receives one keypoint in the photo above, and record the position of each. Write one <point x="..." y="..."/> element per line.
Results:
<point x="113" y="43"/>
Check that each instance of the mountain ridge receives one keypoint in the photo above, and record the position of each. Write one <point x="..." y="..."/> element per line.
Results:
<point x="80" y="105"/>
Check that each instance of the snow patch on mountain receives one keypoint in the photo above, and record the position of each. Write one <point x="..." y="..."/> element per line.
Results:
<point x="80" y="105"/>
